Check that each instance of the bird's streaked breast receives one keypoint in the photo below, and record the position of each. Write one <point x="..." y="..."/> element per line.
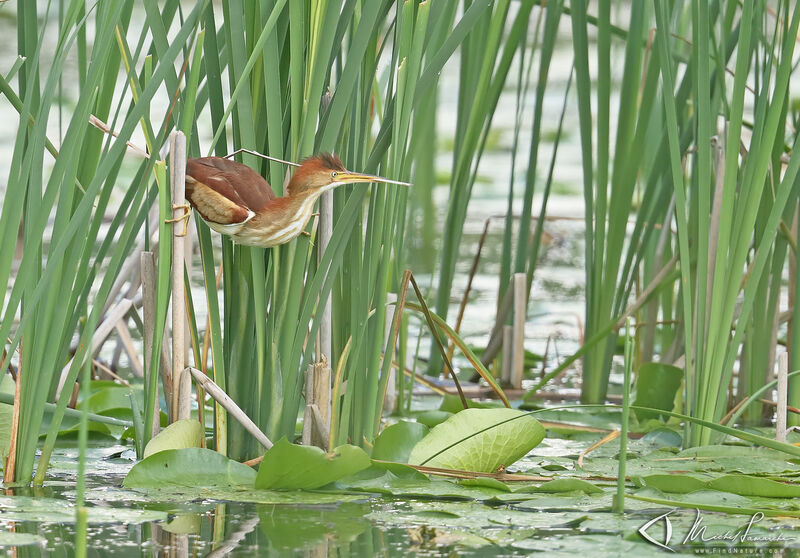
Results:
<point x="278" y="226"/>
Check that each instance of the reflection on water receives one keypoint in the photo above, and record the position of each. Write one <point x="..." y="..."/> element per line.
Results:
<point x="44" y="516"/>
<point x="234" y="529"/>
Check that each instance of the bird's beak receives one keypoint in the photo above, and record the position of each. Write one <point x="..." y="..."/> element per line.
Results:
<point x="354" y="177"/>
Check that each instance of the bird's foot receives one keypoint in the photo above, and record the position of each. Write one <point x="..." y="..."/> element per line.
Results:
<point x="315" y="214"/>
<point x="187" y="212"/>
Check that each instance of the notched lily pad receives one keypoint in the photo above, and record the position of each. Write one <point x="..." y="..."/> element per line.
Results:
<point x="482" y="440"/>
<point x="288" y="466"/>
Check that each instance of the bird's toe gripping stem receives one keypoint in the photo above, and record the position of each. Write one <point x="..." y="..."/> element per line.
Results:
<point x="187" y="212"/>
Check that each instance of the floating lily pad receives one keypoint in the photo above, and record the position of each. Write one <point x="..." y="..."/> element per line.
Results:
<point x="433" y="417"/>
<point x="391" y="485"/>
<point x="402" y="470"/>
<point x="453" y="404"/>
<point x="747" y="485"/>
<point x="606" y="419"/>
<point x="480" y="440"/>
<point x="289" y="466"/>
<point x="663" y="437"/>
<point x="180" y="434"/>
<point x="739" y="452"/>
<point x="676" y="484"/>
<point x="556" y="486"/>
<point x="192" y="467"/>
<point x="487" y="482"/>
<point x="395" y="442"/>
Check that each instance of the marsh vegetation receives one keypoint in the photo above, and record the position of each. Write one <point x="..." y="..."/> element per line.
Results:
<point x="585" y="305"/>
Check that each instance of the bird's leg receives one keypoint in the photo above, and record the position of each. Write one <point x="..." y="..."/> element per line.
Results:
<point x="187" y="211"/>
<point x="308" y="234"/>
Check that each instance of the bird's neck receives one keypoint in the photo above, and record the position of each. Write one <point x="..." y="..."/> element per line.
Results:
<point x="294" y="205"/>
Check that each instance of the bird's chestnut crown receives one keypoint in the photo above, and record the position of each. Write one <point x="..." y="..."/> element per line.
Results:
<point x="315" y="172"/>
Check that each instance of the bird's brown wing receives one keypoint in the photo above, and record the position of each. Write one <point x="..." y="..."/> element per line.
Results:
<point x="224" y="191"/>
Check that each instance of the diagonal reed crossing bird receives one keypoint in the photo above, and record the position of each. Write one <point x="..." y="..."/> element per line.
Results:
<point x="236" y="201"/>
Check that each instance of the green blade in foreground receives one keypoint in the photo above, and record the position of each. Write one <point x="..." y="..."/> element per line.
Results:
<point x="481" y="440"/>
<point x="288" y="466"/>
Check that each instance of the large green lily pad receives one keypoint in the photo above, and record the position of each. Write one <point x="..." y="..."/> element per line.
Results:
<point x="482" y="440"/>
<point x="288" y="466"/>
<point x="191" y="467"/>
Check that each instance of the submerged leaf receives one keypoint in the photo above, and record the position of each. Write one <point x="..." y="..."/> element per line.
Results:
<point x="482" y="440"/>
<point x="192" y="467"/>
<point x="287" y="466"/>
<point x="112" y="397"/>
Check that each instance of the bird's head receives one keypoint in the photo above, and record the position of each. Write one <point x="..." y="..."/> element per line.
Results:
<point x="325" y="171"/>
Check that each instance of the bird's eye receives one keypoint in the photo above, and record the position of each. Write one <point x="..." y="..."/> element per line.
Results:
<point x="334" y="174"/>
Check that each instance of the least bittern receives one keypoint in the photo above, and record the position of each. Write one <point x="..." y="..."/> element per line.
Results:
<point x="235" y="200"/>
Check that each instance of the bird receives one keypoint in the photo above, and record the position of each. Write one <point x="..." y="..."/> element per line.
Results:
<point x="237" y="201"/>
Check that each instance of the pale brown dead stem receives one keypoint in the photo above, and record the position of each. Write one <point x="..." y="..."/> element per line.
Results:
<point x="613" y="435"/>
<point x="9" y="471"/>
<point x="110" y="372"/>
